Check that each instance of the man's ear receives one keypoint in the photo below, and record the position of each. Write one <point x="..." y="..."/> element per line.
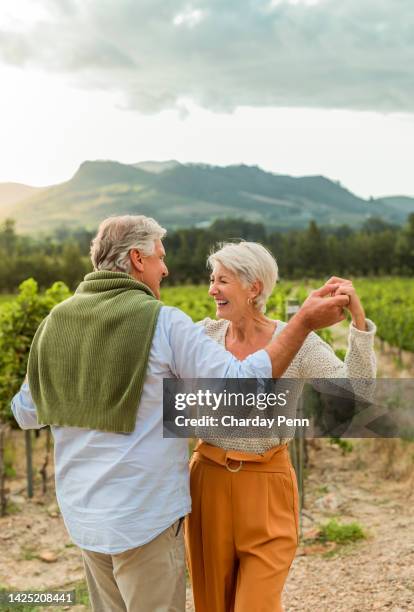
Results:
<point x="136" y="260"/>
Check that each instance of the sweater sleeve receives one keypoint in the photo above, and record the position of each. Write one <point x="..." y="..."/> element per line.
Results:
<point x="356" y="374"/>
<point x="318" y="360"/>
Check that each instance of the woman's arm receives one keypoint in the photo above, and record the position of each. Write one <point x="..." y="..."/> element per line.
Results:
<point x="356" y="375"/>
<point x="318" y="360"/>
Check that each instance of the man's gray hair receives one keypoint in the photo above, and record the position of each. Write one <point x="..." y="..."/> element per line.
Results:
<point x="250" y="262"/>
<point x="118" y="235"/>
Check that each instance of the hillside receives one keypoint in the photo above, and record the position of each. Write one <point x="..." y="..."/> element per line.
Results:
<point x="181" y="195"/>
<point x="10" y="193"/>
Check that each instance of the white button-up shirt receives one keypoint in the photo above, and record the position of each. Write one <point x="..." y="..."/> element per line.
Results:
<point x="118" y="491"/>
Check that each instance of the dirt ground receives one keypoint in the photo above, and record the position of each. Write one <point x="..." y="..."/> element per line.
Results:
<point x="372" y="485"/>
<point x="374" y="574"/>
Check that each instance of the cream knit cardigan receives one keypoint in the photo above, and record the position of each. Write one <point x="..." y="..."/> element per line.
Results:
<point x="315" y="359"/>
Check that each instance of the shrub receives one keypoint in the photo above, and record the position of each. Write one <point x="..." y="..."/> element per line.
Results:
<point x="19" y="321"/>
<point x="341" y="534"/>
<point x="345" y="446"/>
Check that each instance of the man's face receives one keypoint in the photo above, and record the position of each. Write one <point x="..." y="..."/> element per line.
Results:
<point x="150" y="269"/>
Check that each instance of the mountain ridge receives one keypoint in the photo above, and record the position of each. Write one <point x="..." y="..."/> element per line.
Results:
<point x="183" y="195"/>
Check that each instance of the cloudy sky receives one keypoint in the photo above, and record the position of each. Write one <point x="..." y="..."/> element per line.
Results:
<point x="294" y="86"/>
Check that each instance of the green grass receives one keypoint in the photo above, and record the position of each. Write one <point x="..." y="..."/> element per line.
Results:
<point x="12" y="508"/>
<point x="28" y="554"/>
<point x="345" y="446"/>
<point x="82" y="595"/>
<point x="341" y="533"/>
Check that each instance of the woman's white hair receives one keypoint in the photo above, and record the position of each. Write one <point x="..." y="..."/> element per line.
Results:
<point x="118" y="235"/>
<point x="250" y="262"/>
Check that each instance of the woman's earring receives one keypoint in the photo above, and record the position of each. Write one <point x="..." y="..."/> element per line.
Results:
<point x="249" y="301"/>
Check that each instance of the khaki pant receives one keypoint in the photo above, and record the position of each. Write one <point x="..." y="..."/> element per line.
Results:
<point x="242" y="533"/>
<point x="149" y="578"/>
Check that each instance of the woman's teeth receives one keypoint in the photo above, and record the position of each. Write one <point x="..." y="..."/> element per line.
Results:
<point x="221" y="302"/>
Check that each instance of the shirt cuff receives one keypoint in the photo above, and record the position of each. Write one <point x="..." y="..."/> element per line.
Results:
<point x="261" y="364"/>
<point x="370" y="331"/>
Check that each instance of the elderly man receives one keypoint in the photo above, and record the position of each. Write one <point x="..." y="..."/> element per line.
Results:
<point x="95" y="375"/>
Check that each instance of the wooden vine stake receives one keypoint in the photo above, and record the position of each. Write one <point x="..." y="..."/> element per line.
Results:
<point x="3" y="491"/>
<point x="43" y="470"/>
<point x="29" y="462"/>
<point x="297" y="448"/>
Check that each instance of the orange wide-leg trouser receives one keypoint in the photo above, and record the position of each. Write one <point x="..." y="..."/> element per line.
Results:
<point x="242" y="533"/>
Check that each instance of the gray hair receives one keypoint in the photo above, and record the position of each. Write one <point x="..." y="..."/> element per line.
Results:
<point x="118" y="235"/>
<point x="250" y="262"/>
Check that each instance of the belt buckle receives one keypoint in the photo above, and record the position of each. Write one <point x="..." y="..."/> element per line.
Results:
<point x="234" y="470"/>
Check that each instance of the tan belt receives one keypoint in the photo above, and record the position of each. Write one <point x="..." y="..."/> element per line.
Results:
<point x="274" y="460"/>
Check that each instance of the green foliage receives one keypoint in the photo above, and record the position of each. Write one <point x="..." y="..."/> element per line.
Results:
<point x="340" y="353"/>
<point x="8" y="461"/>
<point x="12" y="508"/>
<point x="326" y="335"/>
<point x="62" y="256"/>
<point x="377" y="249"/>
<point x="389" y="302"/>
<point x="345" y="446"/>
<point x="19" y="320"/>
<point x="5" y="298"/>
<point x="195" y="301"/>
<point x="81" y="594"/>
<point x="340" y="533"/>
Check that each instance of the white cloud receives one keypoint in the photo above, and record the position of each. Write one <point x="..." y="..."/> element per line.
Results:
<point x="339" y="54"/>
<point x="190" y="17"/>
<point x="274" y="3"/>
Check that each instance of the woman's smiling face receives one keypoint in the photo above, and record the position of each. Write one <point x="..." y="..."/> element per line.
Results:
<point x="229" y="293"/>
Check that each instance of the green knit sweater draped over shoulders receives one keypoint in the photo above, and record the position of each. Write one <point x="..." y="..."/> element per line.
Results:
<point x="89" y="357"/>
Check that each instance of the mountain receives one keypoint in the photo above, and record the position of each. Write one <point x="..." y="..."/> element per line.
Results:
<point x="10" y="193"/>
<point x="183" y="195"/>
<point x="398" y="206"/>
<point x="157" y="167"/>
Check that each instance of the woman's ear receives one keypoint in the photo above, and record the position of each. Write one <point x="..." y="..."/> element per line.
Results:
<point x="136" y="260"/>
<point x="256" y="288"/>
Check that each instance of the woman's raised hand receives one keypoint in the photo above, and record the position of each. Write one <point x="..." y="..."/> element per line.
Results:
<point x="345" y="287"/>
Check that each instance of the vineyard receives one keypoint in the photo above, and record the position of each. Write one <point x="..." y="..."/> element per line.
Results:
<point x="389" y="302"/>
<point x="364" y="480"/>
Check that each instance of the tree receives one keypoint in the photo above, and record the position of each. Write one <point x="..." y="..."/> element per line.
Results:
<point x="312" y="248"/>
<point x="405" y="247"/>
<point x="8" y="238"/>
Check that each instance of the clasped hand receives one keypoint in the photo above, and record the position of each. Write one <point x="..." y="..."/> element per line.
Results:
<point x="345" y="287"/>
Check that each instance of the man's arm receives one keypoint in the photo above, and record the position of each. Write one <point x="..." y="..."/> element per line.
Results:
<point x="23" y="408"/>
<point x="194" y="355"/>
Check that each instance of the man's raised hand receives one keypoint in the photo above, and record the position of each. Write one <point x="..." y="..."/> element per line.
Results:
<point x="323" y="307"/>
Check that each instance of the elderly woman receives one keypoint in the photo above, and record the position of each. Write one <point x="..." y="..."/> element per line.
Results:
<point x="242" y="533"/>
